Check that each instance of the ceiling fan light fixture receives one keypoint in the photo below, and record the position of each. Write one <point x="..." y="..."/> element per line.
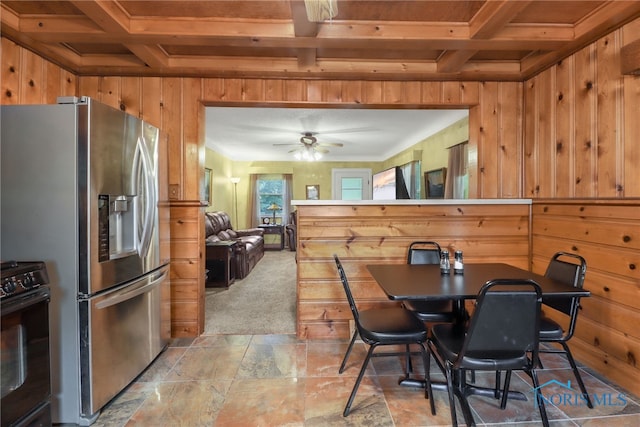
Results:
<point x="321" y="10"/>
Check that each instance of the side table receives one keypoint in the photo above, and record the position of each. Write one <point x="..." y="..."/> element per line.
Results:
<point x="273" y="230"/>
<point x="220" y="263"/>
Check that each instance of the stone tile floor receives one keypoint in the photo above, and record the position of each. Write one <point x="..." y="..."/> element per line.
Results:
<point x="277" y="380"/>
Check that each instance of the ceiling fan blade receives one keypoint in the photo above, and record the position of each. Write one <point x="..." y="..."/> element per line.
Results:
<point x="330" y="144"/>
<point x="281" y="145"/>
<point x="321" y="150"/>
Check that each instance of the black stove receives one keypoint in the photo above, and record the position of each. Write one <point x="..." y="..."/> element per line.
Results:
<point x="18" y="277"/>
<point x="25" y="383"/>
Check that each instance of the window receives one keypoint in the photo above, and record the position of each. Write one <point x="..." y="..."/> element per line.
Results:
<point x="271" y="190"/>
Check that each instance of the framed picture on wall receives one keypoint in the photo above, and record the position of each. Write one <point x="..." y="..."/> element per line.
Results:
<point x="207" y="186"/>
<point x="313" y="192"/>
<point x="434" y="183"/>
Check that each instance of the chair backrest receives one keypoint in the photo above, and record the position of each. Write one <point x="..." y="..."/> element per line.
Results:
<point x="347" y="290"/>
<point x="423" y="253"/>
<point x="506" y="321"/>
<point x="571" y="273"/>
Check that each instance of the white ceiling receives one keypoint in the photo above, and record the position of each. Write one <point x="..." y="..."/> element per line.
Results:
<point x="249" y="134"/>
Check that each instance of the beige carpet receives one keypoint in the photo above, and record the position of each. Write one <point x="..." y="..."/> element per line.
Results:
<point x="264" y="302"/>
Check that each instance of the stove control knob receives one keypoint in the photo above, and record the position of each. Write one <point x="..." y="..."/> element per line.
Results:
<point x="9" y="285"/>
<point x="28" y="281"/>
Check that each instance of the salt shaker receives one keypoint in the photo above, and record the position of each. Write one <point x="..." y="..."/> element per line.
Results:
<point x="458" y="265"/>
<point x="445" y="266"/>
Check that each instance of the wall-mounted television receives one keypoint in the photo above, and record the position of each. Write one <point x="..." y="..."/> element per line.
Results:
<point x="389" y="185"/>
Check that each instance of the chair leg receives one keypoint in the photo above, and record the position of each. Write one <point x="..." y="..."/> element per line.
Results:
<point x="428" y="392"/>
<point x="346" y="356"/>
<point x="505" y="391"/>
<point x="496" y="392"/>
<point x="452" y="399"/>
<point x="577" y="374"/>
<point x="347" y="408"/>
<point x="409" y="365"/>
<point x="539" y="398"/>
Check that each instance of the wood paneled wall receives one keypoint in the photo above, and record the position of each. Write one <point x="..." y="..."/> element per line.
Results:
<point x="572" y="131"/>
<point x="176" y="105"/>
<point x="607" y="234"/>
<point x="582" y="127"/>
<point x="379" y="234"/>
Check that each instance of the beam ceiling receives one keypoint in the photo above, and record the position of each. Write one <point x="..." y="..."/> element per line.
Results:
<point x="394" y="40"/>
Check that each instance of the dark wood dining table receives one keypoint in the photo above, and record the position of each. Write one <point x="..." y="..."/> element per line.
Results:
<point x="425" y="282"/>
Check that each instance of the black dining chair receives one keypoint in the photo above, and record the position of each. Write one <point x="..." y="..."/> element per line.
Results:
<point x="571" y="269"/>
<point x="427" y="252"/>
<point x="382" y="327"/>
<point x="502" y="334"/>
<point x="428" y="311"/>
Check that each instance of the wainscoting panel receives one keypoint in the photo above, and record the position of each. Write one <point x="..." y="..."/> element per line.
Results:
<point x="607" y="235"/>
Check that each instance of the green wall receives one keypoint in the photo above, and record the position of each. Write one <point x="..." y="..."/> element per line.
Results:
<point x="432" y="152"/>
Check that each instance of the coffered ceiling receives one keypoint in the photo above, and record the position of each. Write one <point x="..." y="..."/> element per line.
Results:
<point x="399" y="40"/>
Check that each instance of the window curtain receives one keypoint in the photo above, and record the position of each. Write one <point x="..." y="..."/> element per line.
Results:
<point x="288" y="196"/>
<point x="456" y="179"/>
<point x="253" y="201"/>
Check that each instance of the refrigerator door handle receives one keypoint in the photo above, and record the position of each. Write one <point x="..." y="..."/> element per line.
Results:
<point x="143" y="169"/>
<point x="127" y="294"/>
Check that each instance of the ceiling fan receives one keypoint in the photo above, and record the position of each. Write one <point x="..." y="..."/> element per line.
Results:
<point x="309" y="148"/>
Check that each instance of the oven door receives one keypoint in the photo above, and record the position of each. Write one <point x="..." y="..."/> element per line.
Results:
<point x="25" y="380"/>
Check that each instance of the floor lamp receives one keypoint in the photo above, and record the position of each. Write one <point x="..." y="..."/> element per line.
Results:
<point x="235" y="180"/>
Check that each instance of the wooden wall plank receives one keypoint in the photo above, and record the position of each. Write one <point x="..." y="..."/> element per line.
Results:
<point x="564" y="125"/>
<point x="273" y="90"/>
<point x="509" y="140"/>
<point x="89" y="86"/>
<point x="172" y="126"/>
<point x="131" y="95"/>
<point x="469" y="93"/>
<point x="151" y="100"/>
<point x="487" y="148"/>
<point x="294" y="91"/>
<point x="432" y="93"/>
<point x="52" y="83"/>
<point x="630" y="154"/>
<point x="585" y="122"/>
<point x="10" y="72"/>
<point x="32" y="84"/>
<point x="213" y="89"/>
<point x="609" y="104"/>
<point x="530" y="157"/>
<point x="110" y="91"/>
<point x="193" y="134"/>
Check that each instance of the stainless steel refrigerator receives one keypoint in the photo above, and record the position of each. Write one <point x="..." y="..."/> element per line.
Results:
<point x="84" y="189"/>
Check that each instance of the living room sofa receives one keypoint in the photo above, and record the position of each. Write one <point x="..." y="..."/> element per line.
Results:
<point x="249" y="247"/>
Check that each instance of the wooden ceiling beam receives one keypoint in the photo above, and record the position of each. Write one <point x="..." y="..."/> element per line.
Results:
<point x="492" y="17"/>
<point x="107" y="15"/>
<point x="453" y="60"/>
<point x="306" y="58"/>
<point x="175" y="29"/>
<point x="153" y="56"/>
<point x="302" y="27"/>
<point x="630" y="58"/>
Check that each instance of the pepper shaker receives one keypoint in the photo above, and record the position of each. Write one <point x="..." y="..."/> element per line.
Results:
<point x="458" y="265"/>
<point x="445" y="265"/>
